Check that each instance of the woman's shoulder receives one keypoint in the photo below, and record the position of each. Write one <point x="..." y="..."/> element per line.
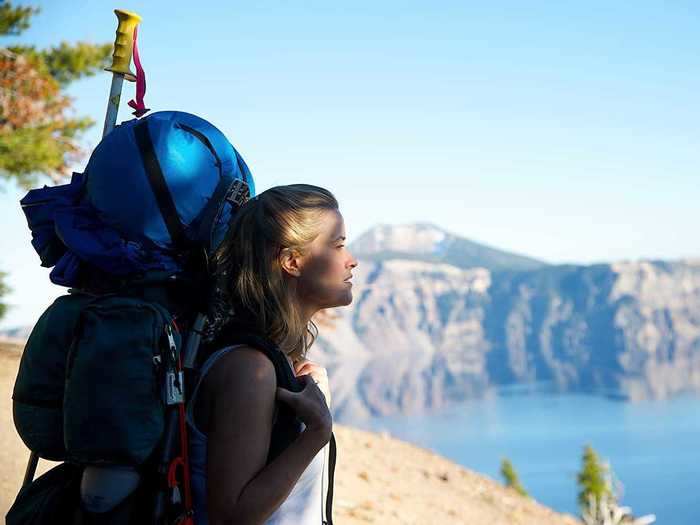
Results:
<point x="231" y="375"/>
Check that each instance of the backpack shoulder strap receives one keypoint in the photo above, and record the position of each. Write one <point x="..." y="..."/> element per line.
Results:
<point x="285" y="374"/>
<point x="283" y="371"/>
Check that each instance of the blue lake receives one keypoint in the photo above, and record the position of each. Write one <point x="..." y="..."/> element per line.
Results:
<point x="652" y="446"/>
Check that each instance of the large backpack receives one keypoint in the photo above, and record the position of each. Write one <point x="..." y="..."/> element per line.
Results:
<point x="102" y="383"/>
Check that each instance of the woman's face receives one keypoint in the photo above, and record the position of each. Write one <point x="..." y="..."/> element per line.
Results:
<point x="326" y="267"/>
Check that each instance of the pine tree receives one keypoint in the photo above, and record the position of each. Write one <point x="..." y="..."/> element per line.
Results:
<point x="593" y="478"/>
<point x="600" y="492"/>
<point x="38" y="137"/>
<point x="510" y="477"/>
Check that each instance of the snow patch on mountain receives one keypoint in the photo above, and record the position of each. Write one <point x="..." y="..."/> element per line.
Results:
<point x="419" y="239"/>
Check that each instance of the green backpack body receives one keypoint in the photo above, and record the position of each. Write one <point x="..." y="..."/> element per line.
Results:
<point x="89" y="387"/>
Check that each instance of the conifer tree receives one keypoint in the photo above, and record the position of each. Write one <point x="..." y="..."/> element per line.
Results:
<point x="599" y="495"/>
<point x="592" y="479"/>
<point x="510" y="477"/>
<point x="38" y="134"/>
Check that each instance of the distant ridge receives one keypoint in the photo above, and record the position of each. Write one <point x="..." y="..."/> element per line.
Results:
<point x="429" y="243"/>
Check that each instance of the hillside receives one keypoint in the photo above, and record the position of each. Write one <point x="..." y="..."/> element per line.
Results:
<point x="378" y="479"/>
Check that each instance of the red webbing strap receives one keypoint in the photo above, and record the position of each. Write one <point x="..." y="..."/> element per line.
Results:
<point x="172" y="471"/>
<point x="183" y="460"/>
<point x="139" y="105"/>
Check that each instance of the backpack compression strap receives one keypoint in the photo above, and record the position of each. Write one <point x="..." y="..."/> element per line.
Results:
<point x="154" y="173"/>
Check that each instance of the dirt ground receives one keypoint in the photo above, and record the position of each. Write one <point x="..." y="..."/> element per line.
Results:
<point x="378" y="479"/>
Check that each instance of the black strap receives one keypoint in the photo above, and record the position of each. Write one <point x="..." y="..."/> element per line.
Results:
<point x="234" y="191"/>
<point x="331" y="471"/>
<point x="160" y="189"/>
<point x="210" y="212"/>
<point x="284" y="372"/>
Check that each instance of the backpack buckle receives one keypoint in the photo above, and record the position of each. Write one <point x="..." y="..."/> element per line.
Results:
<point x="174" y="391"/>
<point x="239" y="193"/>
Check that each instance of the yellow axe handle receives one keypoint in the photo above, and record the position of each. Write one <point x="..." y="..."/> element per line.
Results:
<point x="121" y="60"/>
<point x="124" y="44"/>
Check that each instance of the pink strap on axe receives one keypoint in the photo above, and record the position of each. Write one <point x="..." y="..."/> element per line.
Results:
<point x="138" y="105"/>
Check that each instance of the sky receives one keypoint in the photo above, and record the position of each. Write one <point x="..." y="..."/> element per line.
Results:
<point x="565" y="131"/>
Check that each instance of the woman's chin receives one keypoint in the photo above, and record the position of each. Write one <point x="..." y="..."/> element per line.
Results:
<point x="346" y="298"/>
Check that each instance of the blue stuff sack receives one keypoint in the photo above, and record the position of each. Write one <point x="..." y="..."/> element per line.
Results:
<point x="154" y="192"/>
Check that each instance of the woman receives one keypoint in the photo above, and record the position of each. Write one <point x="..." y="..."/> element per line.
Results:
<point x="283" y="260"/>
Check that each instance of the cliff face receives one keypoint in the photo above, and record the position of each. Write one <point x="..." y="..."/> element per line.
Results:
<point x="629" y="329"/>
<point x="421" y="334"/>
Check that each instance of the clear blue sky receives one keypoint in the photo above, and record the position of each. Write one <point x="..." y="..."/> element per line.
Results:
<point x="560" y="130"/>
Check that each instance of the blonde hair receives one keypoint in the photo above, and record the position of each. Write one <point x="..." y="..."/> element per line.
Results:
<point x="250" y="279"/>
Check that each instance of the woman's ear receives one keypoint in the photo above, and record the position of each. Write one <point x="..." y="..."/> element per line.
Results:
<point x="290" y="261"/>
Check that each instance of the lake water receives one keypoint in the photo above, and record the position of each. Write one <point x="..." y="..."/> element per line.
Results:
<point x="652" y="446"/>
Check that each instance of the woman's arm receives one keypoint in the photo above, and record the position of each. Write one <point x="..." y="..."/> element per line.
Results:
<point x="241" y="388"/>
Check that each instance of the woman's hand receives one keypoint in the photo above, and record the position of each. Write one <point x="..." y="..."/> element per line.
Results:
<point x="319" y="375"/>
<point x="310" y="406"/>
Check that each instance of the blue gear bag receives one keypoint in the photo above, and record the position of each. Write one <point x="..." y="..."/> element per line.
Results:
<point x="154" y="191"/>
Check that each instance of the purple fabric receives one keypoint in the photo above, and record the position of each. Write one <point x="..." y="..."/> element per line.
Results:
<point x="67" y="232"/>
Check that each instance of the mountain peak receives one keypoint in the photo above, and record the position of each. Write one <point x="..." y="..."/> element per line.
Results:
<point x="427" y="242"/>
<point x="414" y="239"/>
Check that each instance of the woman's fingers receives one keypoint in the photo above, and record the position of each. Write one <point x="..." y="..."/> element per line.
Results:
<point x="308" y="368"/>
<point x="314" y="369"/>
<point x="302" y="365"/>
